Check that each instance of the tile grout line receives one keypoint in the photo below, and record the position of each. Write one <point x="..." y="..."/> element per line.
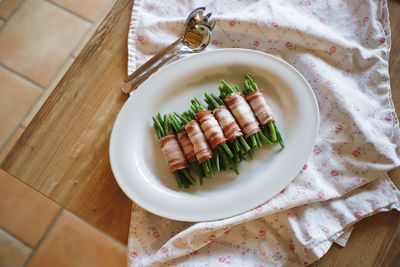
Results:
<point x="99" y="230"/>
<point x="21" y="76"/>
<point x="2" y="146"/>
<point x="34" y="249"/>
<point x="12" y="13"/>
<point x="14" y="236"/>
<point x="67" y="10"/>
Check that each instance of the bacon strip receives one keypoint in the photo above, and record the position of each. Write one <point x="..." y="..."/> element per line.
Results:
<point x="260" y="107"/>
<point x="243" y="114"/>
<point x="187" y="147"/>
<point x="227" y="122"/>
<point x="211" y="128"/>
<point x="173" y="153"/>
<point x="200" y="145"/>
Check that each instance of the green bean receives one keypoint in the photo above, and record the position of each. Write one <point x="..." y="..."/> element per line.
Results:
<point x="210" y="105"/>
<point x="175" y="124"/>
<point x="264" y="129"/>
<point x="229" y="90"/>
<point x="236" y="145"/>
<point x="184" y="120"/>
<point x="253" y="140"/>
<point x="227" y="160"/>
<point x="198" y="102"/>
<point x="178" y="179"/>
<point x="195" y="165"/>
<point x="228" y="150"/>
<point x="213" y="163"/>
<point x="160" y="118"/>
<point x="193" y="108"/>
<point x="217" y="99"/>
<point x="205" y="168"/>
<point x="192" y="114"/>
<point x="272" y="132"/>
<point x="188" y="176"/>
<point x="244" y="143"/>
<point x="158" y="125"/>
<point x="185" y="182"/>
<point x="258" y="140"/>
<point x="236" y="157"/>
<point x="263" y="139"/>
<point x="212" y="101"/>
<point x="166" y="124"/>
<point x="279" y="136"/>
<point x="211" y="169"/>
<point x="157" y="132"/>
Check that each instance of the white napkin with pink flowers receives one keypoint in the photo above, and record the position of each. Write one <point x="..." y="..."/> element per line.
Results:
<point x="341" y="48"/>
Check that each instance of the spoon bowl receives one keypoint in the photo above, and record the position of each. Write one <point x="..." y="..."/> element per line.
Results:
<point x="197" y="39"/>
<point x="196" y="17"/>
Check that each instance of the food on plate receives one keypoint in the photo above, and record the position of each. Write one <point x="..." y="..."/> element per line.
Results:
<point x="172" y="152"/>
<point x="218" y="137"/>
<point x="213" y="132"/>
<point x="243" y="114"/>
<point x="187" y="146"/>
<point x="199" y="141"/>
<point x="262" y="111"/>
<point x="229" y="126"/>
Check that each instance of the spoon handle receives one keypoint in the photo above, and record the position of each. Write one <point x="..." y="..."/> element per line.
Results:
<point x="152" y="60"/>
<point x="134" y="83"/>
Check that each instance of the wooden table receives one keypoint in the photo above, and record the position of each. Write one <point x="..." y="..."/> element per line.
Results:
<point x="64" y="151"/>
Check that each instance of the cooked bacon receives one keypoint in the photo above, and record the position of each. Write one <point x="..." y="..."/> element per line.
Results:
<point x="200" y="145"/>
<point x="211" y="128"/>
<point x="243" y="114"/>
<point x="227" y="122"/>
<point x="260" y="107"/>
<point x="187" y="147"/>
<point x="173" y="153"/>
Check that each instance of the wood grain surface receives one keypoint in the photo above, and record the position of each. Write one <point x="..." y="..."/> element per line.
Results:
<point x="64" y="151"/>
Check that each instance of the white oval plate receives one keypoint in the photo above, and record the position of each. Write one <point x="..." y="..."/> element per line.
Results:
<point x="138" y="164"/>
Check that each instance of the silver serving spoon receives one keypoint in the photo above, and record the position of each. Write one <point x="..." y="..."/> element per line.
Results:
<point x="194" y="18"/>
<point x="194" y="40"/>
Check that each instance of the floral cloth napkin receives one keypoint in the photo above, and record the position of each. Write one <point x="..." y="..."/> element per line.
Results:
<point x="342" y="49"/>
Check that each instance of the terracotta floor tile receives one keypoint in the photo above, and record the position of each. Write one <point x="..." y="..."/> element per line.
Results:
<point x="23" y="211"/>
<point x="7" y="7"/>
<point x="89" y="9"/>
<point x="47" y="92"/>
<point x="73" y="242"/>
<point x="12" y="251"/>
<point x="10" y="143"/>
<point x="38" y="38"/>
<point x="16" y="98"/>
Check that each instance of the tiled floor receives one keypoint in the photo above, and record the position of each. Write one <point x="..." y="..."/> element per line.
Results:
<point x="39" y="40"/>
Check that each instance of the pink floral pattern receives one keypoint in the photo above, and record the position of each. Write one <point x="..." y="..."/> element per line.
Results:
<point x="341" y="48"/>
